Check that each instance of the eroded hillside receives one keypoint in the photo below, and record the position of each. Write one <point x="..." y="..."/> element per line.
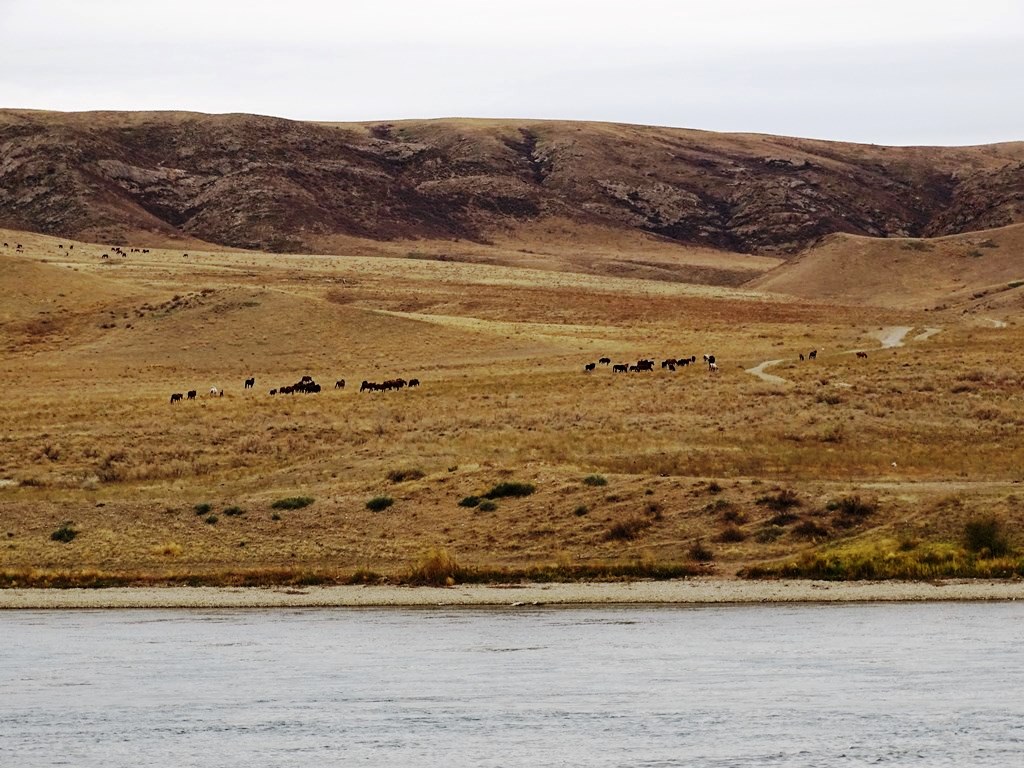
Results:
<point x="280" y="185"/>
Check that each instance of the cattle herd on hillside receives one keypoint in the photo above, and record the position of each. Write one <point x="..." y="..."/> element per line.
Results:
<point x="305" y="386"/>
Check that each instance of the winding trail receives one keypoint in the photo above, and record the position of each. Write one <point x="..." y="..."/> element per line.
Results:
<point x="890" y="337"/>
<point x="995" y="323"/>
<point x="758" y="370"/>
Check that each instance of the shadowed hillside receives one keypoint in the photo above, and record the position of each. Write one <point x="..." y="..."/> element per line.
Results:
<point x="272" y="184"/>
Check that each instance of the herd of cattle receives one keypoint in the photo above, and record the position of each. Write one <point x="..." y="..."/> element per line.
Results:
<point x="670" y="364"/>
<point x="305" y="386"/>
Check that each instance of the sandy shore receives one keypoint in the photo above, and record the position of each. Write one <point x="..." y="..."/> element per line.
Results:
<point x="695" y="591"/>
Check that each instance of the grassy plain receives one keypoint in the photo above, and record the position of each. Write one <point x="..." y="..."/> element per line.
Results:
<point x="884" y="459"/>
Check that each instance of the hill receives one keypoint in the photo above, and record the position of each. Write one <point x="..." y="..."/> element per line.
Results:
<point x="264" y="183"/>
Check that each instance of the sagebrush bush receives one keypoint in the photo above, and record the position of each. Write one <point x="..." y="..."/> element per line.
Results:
<point x="595" y="480"/>
<point x="292" y="502"/>
<point x="233" y="511"/>
<point x="780" y="501"/>
<point x="700" y="553"/>
<point x="627" y="530"/>
<point x="487" y="506"/>
<point x="503" y="490"/>
<point x="401" y="475"/>
<point x="202" y="509"/>
<point x="731" y="534"/>
<point x="379" y="503"/>
<point x="64" y="533"/>
<point x="470" y="501"/>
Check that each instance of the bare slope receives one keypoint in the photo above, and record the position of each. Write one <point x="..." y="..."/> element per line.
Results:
<point x="272" y="184"/>
<point x="968" y="271"/>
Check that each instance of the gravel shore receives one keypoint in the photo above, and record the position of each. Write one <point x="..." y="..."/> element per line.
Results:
<point x="694" y="591"/>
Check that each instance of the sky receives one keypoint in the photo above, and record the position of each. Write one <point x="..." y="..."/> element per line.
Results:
<point x="872" y="71"/>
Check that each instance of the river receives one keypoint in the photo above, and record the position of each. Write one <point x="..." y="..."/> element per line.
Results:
<point x="931" y="684"/>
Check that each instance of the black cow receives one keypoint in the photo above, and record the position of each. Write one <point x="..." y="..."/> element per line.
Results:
<point x="191" y="395"/>
<point x="414" y="382"/>
<point x="813" y="355"/>
<point x="623" y="368"/>
<point x="339" y="384"/>
<point x="589" y="367"/>
<point x="250" y="382"/>
<point x="862" y="354"/>
<point x="176" y="397"/>
<point x="605" y="360"/>
<point x="273" y="392"/>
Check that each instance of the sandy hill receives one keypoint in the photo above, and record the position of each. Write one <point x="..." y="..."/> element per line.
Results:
<point x="271" y="184"/>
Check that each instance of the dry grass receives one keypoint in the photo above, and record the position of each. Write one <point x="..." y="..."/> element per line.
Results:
<point x="89" y="433"/>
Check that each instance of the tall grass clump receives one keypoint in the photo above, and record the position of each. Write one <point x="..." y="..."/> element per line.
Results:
<point x="595" y="480"/>
<point x="780" y="501"/>
<point x="985" y="536"/>
<point x="436" y="568"/>
<point x="627" y="530"/>
<point x="292" y="502"/>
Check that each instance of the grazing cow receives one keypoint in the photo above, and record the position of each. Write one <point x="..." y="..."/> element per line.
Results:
<point x="105" y="256"/>
<point x="339" y="384"/>
<point x="18" y="247"/>
<point x="6" y="245"/>
<point x="710" y="360"/>
<point x="862" y="354"/>
<point x="184" y="255"/>
<point x="176" y="397"/>
<point x="801" y="357"/>
<point x="250" y="382"/>
<point x="71" y="247"/>
<point x="273" y="392"/>
<point x="623" y="368"/>
<point x="634" y="368"/>
<point x="365" y="386"/>
<point x="645" y="365"/>
<point x="414" y="382"/>
<point x="666" y="363"/>
<point x="191" y="395"/>
<point x="813" y="355"/>
<point x="60" y="246"/>
<point x="589" y="367"/>
<point x="214" y="392"/>
<point x="713" y="367"/>
<point x="605" y="360"/>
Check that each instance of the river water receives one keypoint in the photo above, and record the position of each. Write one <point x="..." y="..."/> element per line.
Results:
<point x="809" y="685"/>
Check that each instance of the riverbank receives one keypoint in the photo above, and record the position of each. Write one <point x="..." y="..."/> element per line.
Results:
<point x="695" y="591"/>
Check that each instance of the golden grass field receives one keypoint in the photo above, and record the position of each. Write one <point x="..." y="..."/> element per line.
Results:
<point x="760" y="474"/>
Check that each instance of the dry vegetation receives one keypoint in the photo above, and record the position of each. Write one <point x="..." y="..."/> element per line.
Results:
<point x="884" y="461"/>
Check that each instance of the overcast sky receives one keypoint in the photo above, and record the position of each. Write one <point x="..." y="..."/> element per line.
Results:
<point x="876" y="71"/>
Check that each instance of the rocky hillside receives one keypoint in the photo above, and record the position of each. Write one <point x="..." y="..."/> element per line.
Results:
<point x="272" y="184"/>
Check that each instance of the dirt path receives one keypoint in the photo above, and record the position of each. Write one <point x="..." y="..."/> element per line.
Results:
<point x="758" y="370"/>
<point x="893" y="335"/>
<point x="927" y="333"/>
<point x="995" y="323"/>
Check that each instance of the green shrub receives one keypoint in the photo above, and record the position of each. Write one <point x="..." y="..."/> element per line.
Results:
<point x="852" y="506"/>
<point x="401" y="475"/>
<point x="202" y="509"/>
<point x="985" y="536"/>
<point x="233" y="511"/>
<point x="292" y="502"/>
<point x="64" y="533"/>
<point x="379" y="503"/>
<point x="470" y="501"/>
<point x="503" y="490"/>
<point x="487" y="506"/>
<point x="714" y="487"/>
<point x="581" y="510"/>
<point x="595" y="480"/>
<point x="211" y="520"/>
<point x="809" y="529"/>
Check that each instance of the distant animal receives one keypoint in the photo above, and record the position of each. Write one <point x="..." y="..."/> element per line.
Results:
<point x="645" y="365"/>
<point x="813" y="354"/>
<point x="105" y="256"/>
<point x="617" y="368"/>
<point x="589" y="367"/>
<point x="602" y="361"/>
<point x="71" y="247"/>
<point x="184" y="255"/>
<point x="366" y="385"/>
<point x="176" y="397"/>
<point x="214" y="391"/>
<point x="710" y="360"/>
<point x="862" y="354"/>
<point x="6" y="245"/>
<point x="191" y="395"/>
<point x="339" y="384"/>
<point x="250" y="382"/>
<point x="414" y="382"/>
<point x="273" y="391"/>
<point x="60" y="246"/>
<point x="713" y="367"/>
<point x="801" y="356"/>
